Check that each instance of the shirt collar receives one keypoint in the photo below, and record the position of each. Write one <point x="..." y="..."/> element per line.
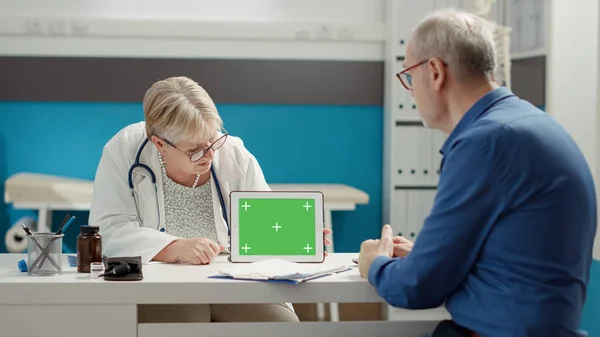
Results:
<point x="476" y="111"/>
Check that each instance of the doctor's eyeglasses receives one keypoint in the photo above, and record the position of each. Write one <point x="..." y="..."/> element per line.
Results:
<point x="199" y="154"/>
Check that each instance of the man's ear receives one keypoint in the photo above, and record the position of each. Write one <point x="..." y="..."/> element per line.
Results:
<point x="438" y="72"/>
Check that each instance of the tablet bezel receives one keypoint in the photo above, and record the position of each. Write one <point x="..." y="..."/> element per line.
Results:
<point x="317" y="196"/>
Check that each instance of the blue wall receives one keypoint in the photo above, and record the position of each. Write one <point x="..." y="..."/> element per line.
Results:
<point x="591" y="313"/>
<point x="294" y="144"/>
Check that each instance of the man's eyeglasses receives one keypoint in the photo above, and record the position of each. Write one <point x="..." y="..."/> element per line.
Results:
<point x="405" y="78"/>
<point x="199" y="154"/>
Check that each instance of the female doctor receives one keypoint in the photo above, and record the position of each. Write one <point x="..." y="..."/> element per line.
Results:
<point x="161" y="188"/>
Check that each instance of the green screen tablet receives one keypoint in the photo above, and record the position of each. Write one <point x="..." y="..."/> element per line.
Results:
<point x="277" y="224"/>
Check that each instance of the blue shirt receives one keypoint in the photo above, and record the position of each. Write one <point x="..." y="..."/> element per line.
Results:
<point x="508" y="243"/>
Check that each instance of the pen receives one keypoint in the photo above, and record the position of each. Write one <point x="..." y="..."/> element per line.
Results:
<point x="64" y="228"/>
<point x="62" y="224"/>
<point x="26" y="229"/>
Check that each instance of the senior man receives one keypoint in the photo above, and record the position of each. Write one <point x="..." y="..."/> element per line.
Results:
<point x="507" y="246"/>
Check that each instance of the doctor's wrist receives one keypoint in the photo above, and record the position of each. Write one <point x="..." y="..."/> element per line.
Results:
<point x="168" y="253"/>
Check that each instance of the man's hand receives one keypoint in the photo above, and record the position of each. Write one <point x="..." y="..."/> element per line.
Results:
<point x="371" y="249"/>
<point x="402" y="246"/>
<point x="192" y="251"/>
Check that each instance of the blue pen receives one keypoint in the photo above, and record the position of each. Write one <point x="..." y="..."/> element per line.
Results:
<point x="64" y="228"/>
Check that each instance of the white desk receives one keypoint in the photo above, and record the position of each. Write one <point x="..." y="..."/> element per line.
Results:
<point x="73" y="305"/>
<point x="46" y="194"/>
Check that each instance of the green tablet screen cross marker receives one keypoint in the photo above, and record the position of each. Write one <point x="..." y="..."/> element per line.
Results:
<point x="277" y="226"/>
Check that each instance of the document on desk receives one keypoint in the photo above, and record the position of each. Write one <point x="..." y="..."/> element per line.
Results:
<point x="279" y="270"/>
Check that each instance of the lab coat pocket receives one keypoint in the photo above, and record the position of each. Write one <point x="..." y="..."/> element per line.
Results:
<point x="146" y="199"/>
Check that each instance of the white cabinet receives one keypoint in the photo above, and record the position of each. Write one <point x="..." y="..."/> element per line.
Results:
<point x="408" y="15"/>
<point x="528" y="21"/>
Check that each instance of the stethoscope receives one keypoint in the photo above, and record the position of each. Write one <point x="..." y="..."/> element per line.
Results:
<point x="137" y="164"/>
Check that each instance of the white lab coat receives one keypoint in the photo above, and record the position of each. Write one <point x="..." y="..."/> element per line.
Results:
<point x="113" y="208"/>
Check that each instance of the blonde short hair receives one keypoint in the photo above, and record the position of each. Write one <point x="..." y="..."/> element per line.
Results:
<point x="463" y="40"/>
<point x="178" y="108"/>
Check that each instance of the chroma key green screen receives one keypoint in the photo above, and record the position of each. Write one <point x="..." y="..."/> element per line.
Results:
<point x="277" y="227"/>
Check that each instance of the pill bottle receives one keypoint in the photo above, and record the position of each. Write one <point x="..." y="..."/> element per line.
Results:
<point x="89" y="247"/>
<point x="96" y="269"/>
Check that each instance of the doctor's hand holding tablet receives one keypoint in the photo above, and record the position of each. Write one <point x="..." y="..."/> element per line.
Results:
<point x="264" y="225"/>
<point x="204" y="251"/>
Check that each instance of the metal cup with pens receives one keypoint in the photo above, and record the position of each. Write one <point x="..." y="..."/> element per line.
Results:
<point x="44" y="250"/>
<point x="44" y="254"/>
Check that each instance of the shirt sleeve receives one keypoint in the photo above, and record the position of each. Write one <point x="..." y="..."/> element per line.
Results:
<point x="468" y="201"/>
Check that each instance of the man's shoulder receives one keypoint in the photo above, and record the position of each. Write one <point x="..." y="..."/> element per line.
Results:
<point x="518" y="137"/>
<point x="479" y="135"/>
<point x="509" y="124"/>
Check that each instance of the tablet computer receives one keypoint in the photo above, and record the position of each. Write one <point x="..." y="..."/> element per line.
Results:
<point x="276" y="224"/>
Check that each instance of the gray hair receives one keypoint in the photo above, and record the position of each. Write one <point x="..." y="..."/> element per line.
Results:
<point x="177" y="109"/>
<point x="464" y="41"/>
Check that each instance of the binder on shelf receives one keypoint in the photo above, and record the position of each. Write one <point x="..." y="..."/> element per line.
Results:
<point x="403" y="107"/>
<point x="413" y="214"/>
<point x="406" y="155"/>
<point x="425" y="164"/>
<point x="398" y="212"/>
<point x="419" y="205"/>
<point x="438" y="139"/>
<point x="414" y="109"/>
<point x="425" y="206"/>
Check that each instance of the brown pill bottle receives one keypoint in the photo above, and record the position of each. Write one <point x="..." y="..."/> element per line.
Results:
<point x="89" y="247"/>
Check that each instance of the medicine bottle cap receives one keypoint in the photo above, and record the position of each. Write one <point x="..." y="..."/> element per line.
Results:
<point x="89" y="229"/>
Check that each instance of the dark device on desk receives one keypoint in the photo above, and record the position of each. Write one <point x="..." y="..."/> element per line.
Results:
<point x="123" y="268"/>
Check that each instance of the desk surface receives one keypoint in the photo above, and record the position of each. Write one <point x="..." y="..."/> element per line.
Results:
<point x="178" y="283"/>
